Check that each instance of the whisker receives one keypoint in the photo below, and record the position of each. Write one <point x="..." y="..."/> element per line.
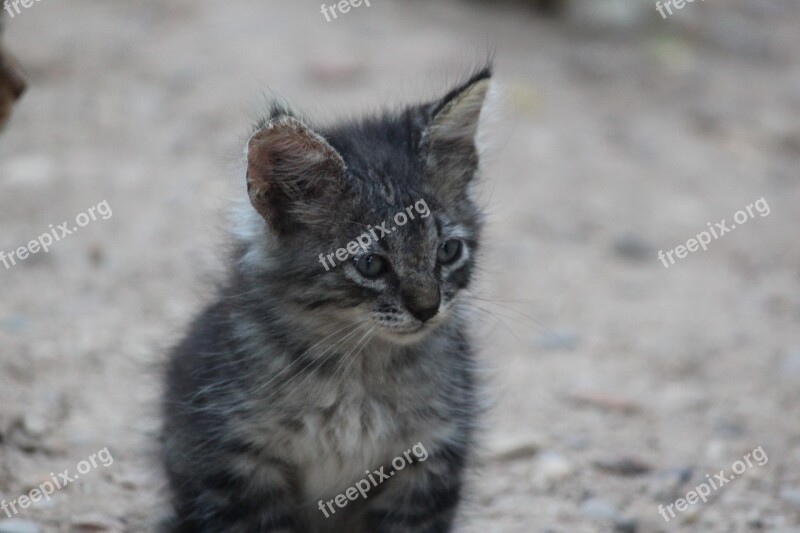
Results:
<point x="496" y="319"/>
<point x="300" y="357"/>
<point x="354" y="357"/>
<point x="329" y="352"/>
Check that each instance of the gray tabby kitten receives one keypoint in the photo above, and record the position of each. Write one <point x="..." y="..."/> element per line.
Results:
<point x="300" y="381"/>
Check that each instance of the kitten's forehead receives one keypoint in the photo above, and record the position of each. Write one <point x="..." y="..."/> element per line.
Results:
<point x="382" y="150"/>
<point x="413" y="239"/>
<point x="387" y="188"/>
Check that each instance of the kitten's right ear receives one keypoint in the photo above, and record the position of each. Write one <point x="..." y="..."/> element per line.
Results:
<point x="293" y="174"/>
<point x="450" y="138"/>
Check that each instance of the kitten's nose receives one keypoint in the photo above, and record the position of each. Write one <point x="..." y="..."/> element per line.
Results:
<point x="423" y="306"/>
<point x="425" y="313"/>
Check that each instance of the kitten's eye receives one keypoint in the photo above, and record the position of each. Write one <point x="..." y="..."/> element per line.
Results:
<point x="449" y="251"/>
<point x="371" y="266"/>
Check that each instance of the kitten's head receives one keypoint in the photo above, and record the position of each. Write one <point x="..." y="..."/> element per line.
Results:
<point x="369" y="223"/>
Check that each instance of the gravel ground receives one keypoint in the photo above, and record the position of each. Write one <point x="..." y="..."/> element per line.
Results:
<point x="617" y="384"/>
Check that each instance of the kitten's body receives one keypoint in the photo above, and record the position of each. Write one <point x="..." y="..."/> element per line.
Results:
<point x="298" y="380"/>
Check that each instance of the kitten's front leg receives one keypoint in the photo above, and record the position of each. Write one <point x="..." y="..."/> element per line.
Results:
<point x="220" y="501"/>
<point x="422" y="498"/>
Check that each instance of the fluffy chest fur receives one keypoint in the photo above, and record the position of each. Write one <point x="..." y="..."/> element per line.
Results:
<point x="334" y="430"/>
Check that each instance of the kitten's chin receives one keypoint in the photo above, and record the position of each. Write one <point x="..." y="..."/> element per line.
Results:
<point x="406" y="337"/>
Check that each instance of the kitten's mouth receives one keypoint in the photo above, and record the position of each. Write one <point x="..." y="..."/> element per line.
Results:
<point x="408" y="335"/>
<point x="413" y="330"/>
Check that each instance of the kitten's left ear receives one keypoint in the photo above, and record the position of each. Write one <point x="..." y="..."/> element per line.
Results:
<point x="450" y="136"/>
<point x="293" y="175"/>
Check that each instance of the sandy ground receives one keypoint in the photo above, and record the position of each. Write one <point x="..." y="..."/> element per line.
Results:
<point x="617" y="383"/>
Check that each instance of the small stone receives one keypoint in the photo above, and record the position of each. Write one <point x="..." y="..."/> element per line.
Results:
<point x="754" y="520"/>
<point x="95" y="523"/>
<point x="623" y="466"/>
<point x="626" y="525"/>
<point x="514" y="447"/>
<point x="728" y="429"/>
<point x="597" y="509"/>
<point x="18" y="526"/>
<point x="552" y="466"/>
<point x="605" y="401"/>
<point x="633" y="248"/>
<point x="34" y="425"/>
<point x="669" y="483"/>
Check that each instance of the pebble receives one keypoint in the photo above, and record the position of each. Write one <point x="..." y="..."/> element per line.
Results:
<point x="96" y="523"/>
<point x="606" y="402"/>
<point x="624" y="466"/>
<point x="29" y="431"/>
<point x="597" y="509"/>
<point x="34" y="425"/>
<point x="626" y="525"/>
<point x="552" y="466"/>
<point x="633" y="248"/>
<point x="18" y="526"/>
<point x="728" y="429"/>
<point x="669" y="483"/>
<point x="514" y="447"/>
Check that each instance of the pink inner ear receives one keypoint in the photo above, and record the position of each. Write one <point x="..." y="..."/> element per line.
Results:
<point x="258" y="160"/>
<point x="260" y="173"/>
<point x="459" y="119"/>
<point x="292" y="173"/>
<point x="290" y="154"/>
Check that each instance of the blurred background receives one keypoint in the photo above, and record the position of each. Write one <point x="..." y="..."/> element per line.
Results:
<point x="616" y="384"/>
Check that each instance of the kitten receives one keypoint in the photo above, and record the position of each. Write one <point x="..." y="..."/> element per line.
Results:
<point x="12" y="85"/>
<point x="299" y="379"/>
